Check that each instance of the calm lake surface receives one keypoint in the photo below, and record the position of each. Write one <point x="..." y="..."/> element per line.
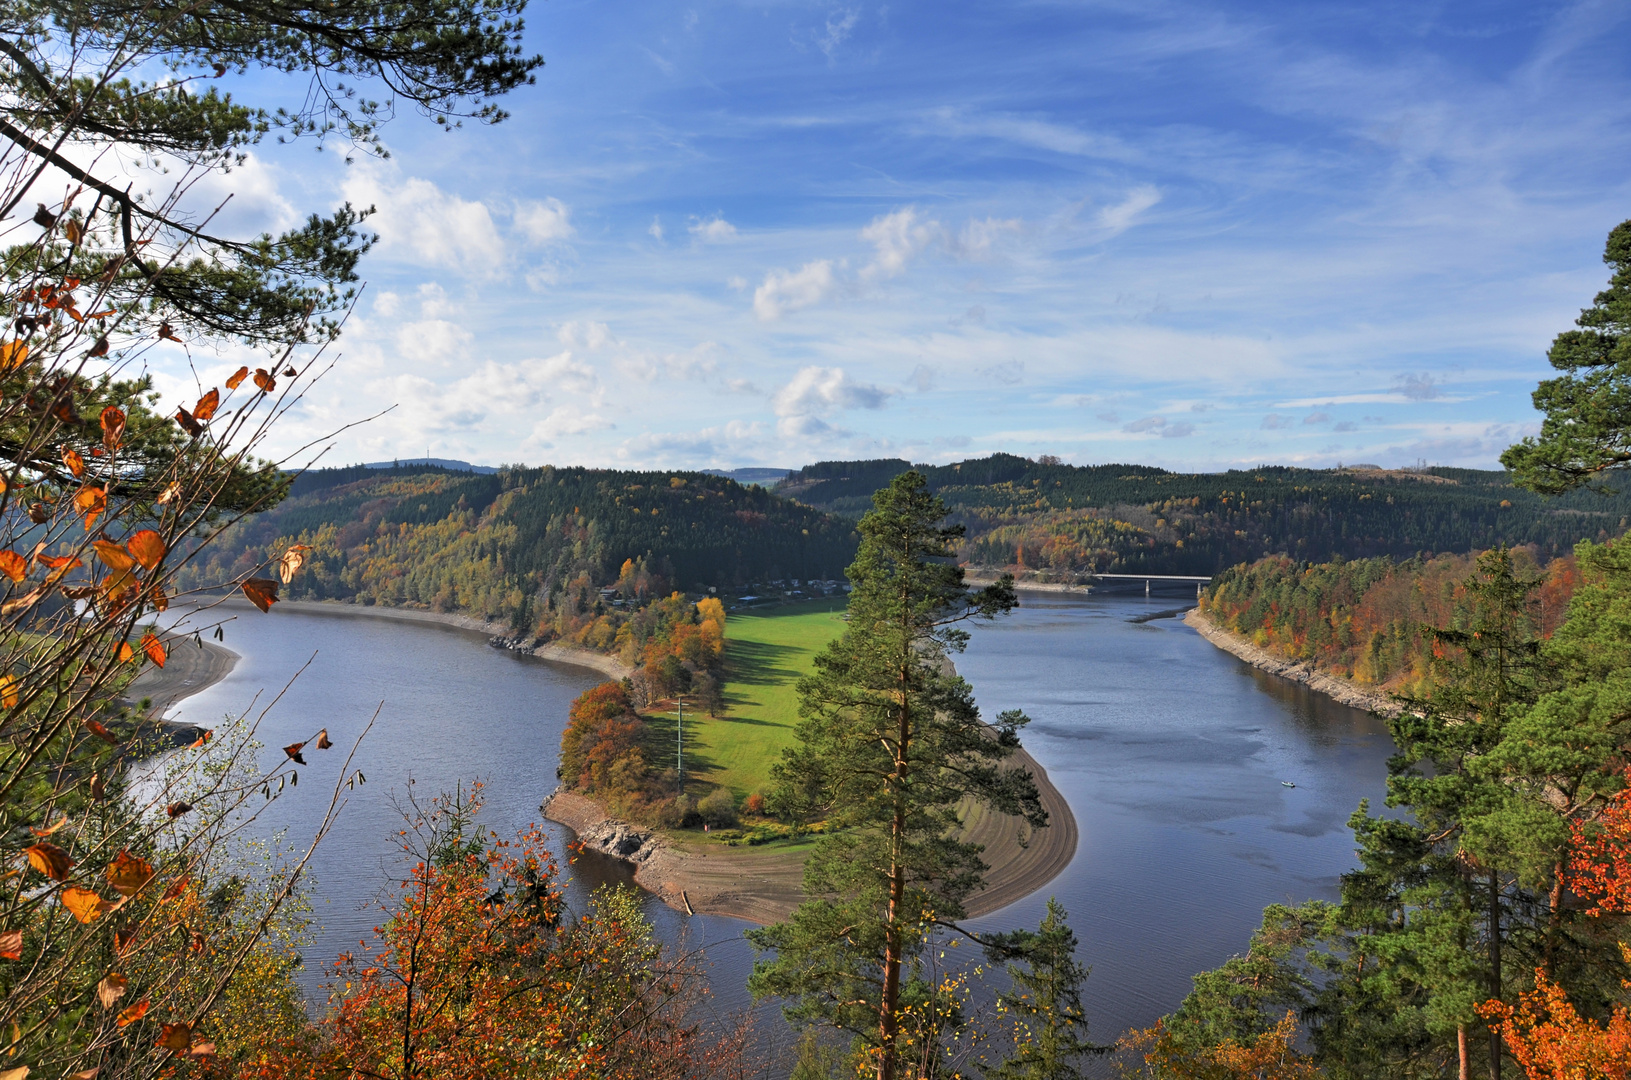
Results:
<point x="1170" y="752"/>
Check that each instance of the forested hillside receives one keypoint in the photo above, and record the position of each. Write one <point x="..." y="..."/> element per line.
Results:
<point x="1050" y="517"/>
<point x="524" y="545"/>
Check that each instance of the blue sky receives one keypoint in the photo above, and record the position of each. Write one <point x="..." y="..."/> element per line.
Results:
<point x="1185" y="234"/>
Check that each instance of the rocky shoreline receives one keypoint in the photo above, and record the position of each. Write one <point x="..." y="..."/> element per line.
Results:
<point x="1332" y="686"/>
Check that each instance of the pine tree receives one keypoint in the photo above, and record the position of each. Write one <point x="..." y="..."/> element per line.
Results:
<point x="889" y="745"/>
<point x="1045" y="1002"/>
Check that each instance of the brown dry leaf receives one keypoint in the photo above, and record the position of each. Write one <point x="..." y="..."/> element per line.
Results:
<point x="178" y="887"/>
<point x="264" y="380"/>
<point x="122" y="939"/>
<point x="154" y="648"/>
<point x="99" y="787"/>
<point x="95" y="728"/>
<point x="134" y="1013"/>
<point x="158" y="599"/>
<point x="10" y="694"/>
<point x="113" y="420"/>
<point x="292" y="561"/>
<point x="129" y="873"/>
<point x="13" y="354"/>
<point x="75" y="463"/>
<point x="19" y="1073"/>
<point x="84" y="904"/>
<point x="238" y="378"/>
<point x="73" y="230"/>
<point x="176" y="1038"/>
<point x="114" y="556"/>
<point x="171" y="490"/>
<point x="262" y="592"/>
<point x="111" y="989"/>
<point x="167" y="332"/>
<point x="176" y="809"/>
<point x="23" y="602"/>
<point x="293" y="750"/>
<point x="13" y="565"/>
<point x="38" y="513"/>
<point x="148" y="547"/>
<point x="99" y="348"/>
<point x="85" y="1074"/>
<point x="191" y="426"/>
<point x="323" y="742"/>
<point x="201" y="1049"/>
<point x="11" y="945"/>
<point x="50" y="860"/>
<point x="205" y="409"/>
<point x="48" y="829"/>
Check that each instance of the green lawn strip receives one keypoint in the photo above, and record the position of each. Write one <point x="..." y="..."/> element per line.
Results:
<point x="765" y="656"/>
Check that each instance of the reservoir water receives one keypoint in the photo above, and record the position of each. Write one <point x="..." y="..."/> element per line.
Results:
<point x="1171" y="753"/>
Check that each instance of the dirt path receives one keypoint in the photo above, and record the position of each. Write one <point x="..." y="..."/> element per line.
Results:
<point x="764" y="884"/>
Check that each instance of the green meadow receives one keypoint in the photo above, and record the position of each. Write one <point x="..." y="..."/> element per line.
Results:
<point x="765" y="655"/>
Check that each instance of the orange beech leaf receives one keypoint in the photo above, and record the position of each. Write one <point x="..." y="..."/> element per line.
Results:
<point x="113" y="555"/>
<point x="205" y="409"/>
<point x="13" y="354"/>
<point x="48" y="829"/>
<point x="122" y="939"/>
<point x="75" y="463"/>
<point x="11" y="945"/>
<point x="84" y="904"/>
<point x="191" y="426"/>
<point x="176" y="809"/>
<point x="177" y="1038"/>
<point x="111" y="989"/>
<point x="129" y="873"/>
<point x="323" y="742"/>
<point x="201" y="1049"/>
<point x="9" y="692"/>
<point x="126" y="653"/>
<point x="96" y="728"/>
<point x="167" y="332"/>
<point x="238" y="378"/>
<point x="264" y="380"/>
<point x="13" y="565"/>
<point x="1554" y="1042"/>
<point x="171" y="490"/>
<point x="154" y="648"/>
<point x="19" y="1073"/>
<point x="158" y="599"/>
<point x="50" y="860"/>
<point x="99" y="787"/>
<point x="100" y="348"/>
<point x="292" y="561"/>
<point x="113" y="426"/>
<point x="178" y="887"/>
<point x="90" y="502"/>
<point x="134" y="1013"/>
<point x="148" y="547"/>
<point x="262" y="592"/>
<point x="293" y="750"/>
<point x="85" y="1074"/>
<point x="58" y="562"/>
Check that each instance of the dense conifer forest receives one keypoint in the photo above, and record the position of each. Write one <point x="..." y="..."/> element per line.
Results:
<point x="1050" y="517"/>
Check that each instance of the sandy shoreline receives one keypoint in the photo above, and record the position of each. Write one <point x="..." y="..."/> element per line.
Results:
<point x="764" y="885"/>
<point x="188" y="668"/>
<point x="1333" y="686"/>
<point x="562" y="654"/>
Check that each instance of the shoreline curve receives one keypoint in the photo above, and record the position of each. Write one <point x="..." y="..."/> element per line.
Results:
<point x="764" y="885"/>
<point x="1343" y="691"/>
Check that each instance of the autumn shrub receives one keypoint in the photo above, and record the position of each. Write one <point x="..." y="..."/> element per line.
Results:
<point x="481" y="969"/>
<point x="718" y="808"/>
<point x="755" y="804"/>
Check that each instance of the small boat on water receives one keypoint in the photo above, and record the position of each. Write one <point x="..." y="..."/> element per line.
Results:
<point x="1287" y="783"/>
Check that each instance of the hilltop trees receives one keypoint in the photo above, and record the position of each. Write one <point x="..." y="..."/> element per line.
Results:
<point x="1586" y="434"/>
<point x="889" y="745"/>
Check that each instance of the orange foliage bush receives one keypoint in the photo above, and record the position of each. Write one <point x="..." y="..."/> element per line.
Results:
<point x="1270" y="1056"/>
<point x="1554" y="1042"/>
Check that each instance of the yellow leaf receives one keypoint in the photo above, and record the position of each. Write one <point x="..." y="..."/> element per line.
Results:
<point x="19" y="1073"/>
<point x="129" y="873"/>
<point x="113" y="555"/>
<point x="84" y="905"/>
<point x="13" y="355"/>
<point x="9" y="694"/>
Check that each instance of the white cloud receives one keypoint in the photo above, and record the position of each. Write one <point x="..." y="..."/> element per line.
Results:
<point x="822" y="391"/>
<point x="785" y="291"/>
<point x="839" y="26"/>
<point x="566" y="420"/>
<point x="1124" y="215"/>
<point x="898" y="237"/>
<point x="977" y="238"/>
<point x="655" y="230"/>
<point x="715" y="230"/>
<point x="544" y="222"/>
<point x="1275" y="422"/>
<point x="419" y="223"/>
<point x="584" y="335"/>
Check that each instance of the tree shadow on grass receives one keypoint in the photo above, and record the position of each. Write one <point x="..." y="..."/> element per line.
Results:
<point x="755" y="663"/>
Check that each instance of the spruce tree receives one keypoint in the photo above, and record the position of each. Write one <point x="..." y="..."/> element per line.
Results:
<point x="1045" y="1001"/>
<point x="889" y="746"/>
